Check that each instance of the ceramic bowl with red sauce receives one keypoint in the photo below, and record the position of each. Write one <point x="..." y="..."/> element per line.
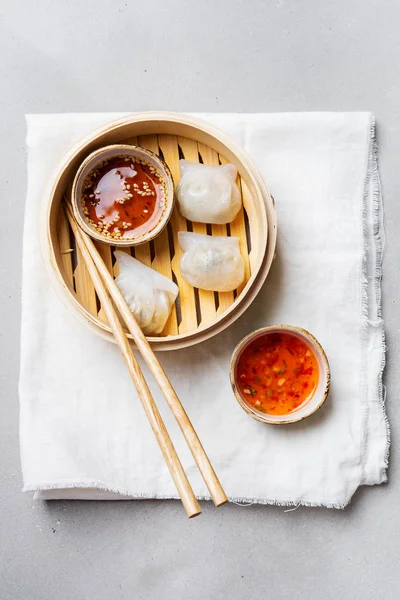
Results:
<point x="280" y="374"/>
<point x="123" y="195"/>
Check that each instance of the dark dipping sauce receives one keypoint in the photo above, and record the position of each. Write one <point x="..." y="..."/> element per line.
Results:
<point x="123" y="198"/>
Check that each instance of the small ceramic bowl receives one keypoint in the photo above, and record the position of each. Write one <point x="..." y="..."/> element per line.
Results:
<point x="153" y="226"/>
<point x="313" y="402"/>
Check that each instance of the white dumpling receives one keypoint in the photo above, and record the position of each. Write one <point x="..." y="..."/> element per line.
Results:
<point x="211" y="263"/>
<point x="149" y="294"/>
<point x="208" y="194"/>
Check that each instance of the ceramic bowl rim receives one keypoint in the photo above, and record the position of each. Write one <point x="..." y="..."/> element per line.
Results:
<point x="129" y="150"/>
<point x="265" y="330"/>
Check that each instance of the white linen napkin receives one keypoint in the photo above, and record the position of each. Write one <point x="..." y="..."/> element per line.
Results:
<point x="83" y="433"/>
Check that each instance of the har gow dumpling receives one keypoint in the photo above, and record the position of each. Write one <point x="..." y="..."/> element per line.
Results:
<point x="149" y="294"/>
<point x="208" y="194"/>
<point x="211" y="263"/>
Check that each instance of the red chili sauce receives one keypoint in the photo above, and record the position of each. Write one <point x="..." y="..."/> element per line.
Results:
<point x="277" y="373"/>
<point x="123" y="197"/>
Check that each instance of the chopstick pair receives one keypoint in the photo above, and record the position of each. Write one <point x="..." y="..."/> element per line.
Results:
<point x="106" y="290"/>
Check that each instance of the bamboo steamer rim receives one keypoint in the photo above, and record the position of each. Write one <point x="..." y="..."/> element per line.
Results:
<point x="203" y="130"/>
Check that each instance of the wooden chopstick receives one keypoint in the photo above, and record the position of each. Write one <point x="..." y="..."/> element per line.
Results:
<point x="179" y="476"/>
<point x="216" y="491"/>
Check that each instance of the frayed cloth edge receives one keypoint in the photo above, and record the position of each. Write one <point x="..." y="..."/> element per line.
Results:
<point x="372" y="176"/>
<point x="99" y="485"/>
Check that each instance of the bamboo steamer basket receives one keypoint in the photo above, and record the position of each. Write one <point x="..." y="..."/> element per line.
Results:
<point x="197" y="314"/>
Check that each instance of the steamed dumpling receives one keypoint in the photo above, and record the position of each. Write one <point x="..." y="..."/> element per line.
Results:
<point x="211" y="263"/>
<point x="149" y="294"/>
<point x="208" y="194"/>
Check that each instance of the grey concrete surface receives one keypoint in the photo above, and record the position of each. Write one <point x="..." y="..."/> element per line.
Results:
<point x="254" y="55"/>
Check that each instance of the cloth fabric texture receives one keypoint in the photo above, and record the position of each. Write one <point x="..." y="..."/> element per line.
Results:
<point x="83" y="432"/>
